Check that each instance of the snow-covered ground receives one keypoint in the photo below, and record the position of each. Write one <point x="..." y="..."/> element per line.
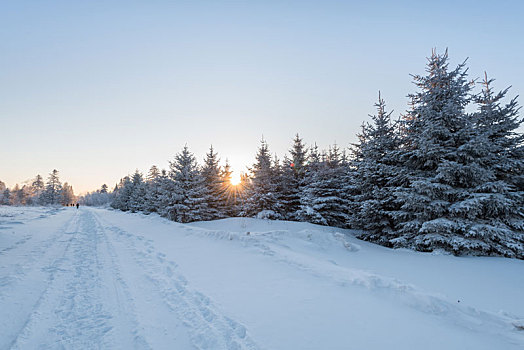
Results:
<point x="95" y="278"/>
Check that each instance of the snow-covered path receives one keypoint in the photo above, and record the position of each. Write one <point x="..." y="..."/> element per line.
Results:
<point x="100" y="279"/>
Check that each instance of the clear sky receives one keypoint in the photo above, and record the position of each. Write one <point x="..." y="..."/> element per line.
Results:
<point x="97" y="89"/>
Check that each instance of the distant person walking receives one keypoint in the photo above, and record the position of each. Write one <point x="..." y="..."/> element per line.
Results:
<point x="77" y="205"/>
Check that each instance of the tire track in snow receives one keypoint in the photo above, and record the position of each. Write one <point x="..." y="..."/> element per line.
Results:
<point x="209" y="328"/>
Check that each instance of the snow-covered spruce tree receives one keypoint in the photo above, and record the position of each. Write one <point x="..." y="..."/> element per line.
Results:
<point x="122" y="193"/>
<point x="159" y="192"/>
<point x="37" y="187"/>
<point x="5" y="197"/>
<point x="375" y="177"/>
<point x="492" y="211"/>
<point x="187" y="198"/>
<point x="137" y="193"/>
<point x="214" y="186"/>
<point x="325" y="198"/>
<point x="293" y="172"/>
<point x="262" y="197"/>
<point x="444" y="162"/>
<point x="152" y="190"/>
<point x="52" y="192"/>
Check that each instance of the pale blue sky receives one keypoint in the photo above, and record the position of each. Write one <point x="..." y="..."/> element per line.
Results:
<point x="99" y="88"/>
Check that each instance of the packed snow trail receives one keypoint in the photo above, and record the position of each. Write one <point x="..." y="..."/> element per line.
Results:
<point x="100" y="279"/>
<point x="82" y="301"/>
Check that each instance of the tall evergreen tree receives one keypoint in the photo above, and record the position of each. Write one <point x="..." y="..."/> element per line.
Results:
<point x="292" y="178"/>
<point x="187" y="202"/>
<point x="213" y="185"/>
<point x="159" y="194"/>
<point x="262" y="197"/>
<point x="137" y="192"/>
<point x="324" y="200"/>
<point x="153" y="189"/>
<point x="153" y="173"/>
<point x="491" y="213"/>
<point x="52" y="193"/>
<point x="122" y="194"/>
<point x="375" y="177"/>
<point x="441" y="165"/>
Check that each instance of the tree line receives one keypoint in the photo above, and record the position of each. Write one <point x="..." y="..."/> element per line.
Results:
<point x="36" y="192"/>
<point x="448" y="174"/>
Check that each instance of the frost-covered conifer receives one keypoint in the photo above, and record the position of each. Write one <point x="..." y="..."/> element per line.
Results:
<point x="52" y="192"/>
<point x="214" y="186"/>
<point x="292" y="178"/>
<point x="324" y="199"/>
<point x="137" y="194"/>
<point x="375" y="177"/>
<point x="443" y="166"/>
<point x="262" y="196"/>
<point x="491" y="213"/>
<point x="152" y="190"/>
<point x="159" y="195"/>
<point x="5" y="197"/>
<point x="187" y="198"/>
<point x="122" y="193"/>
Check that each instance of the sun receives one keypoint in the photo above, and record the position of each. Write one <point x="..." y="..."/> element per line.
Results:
<point x="235" y="179"/>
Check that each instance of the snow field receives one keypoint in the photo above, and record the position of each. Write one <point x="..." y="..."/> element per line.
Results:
<point x="95" y="278"/>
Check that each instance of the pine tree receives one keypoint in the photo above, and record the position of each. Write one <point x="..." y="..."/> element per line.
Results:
<point x="187" y="201"/>
<point x="375" y="177"/>
<point x="6" y="196"/>
<point x="491" y="213"/>
<point x="324" y="200"/>
<point x="292" y="178"/>
<point x="161" y="196"/>
<point x="52" y="192"/>
<point x="440" y="164"/>
<point x="122" y="194"/>
<point x="37" y="187"/>
<point x="213" y="186"/>
<point x="153" y="190"/>
<point x="262" y="196"/>
<point x="137" y="193"/>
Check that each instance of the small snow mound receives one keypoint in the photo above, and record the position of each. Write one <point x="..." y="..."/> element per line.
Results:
<point x="352" y="247"/>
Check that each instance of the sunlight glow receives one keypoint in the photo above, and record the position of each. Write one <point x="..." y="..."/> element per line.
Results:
<point x="235" y="179"/>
